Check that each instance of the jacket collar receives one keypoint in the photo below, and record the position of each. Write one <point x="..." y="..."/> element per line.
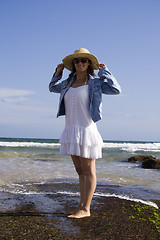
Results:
<point x="74" y="76"/>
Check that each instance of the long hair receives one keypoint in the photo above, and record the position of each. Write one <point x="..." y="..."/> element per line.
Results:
<point x="90" y="71"/>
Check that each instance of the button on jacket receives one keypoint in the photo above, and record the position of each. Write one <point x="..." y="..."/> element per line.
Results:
<point x="103" y="83"/>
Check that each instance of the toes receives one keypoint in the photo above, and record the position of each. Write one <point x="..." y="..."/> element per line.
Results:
<point x="80" y="214"/>
<point x="71" y="216"/>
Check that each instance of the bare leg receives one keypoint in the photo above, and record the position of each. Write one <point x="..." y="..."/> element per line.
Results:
<point x="82" y="179"/>
<point x="89" y="169"/>
<point x="89" y="172"/>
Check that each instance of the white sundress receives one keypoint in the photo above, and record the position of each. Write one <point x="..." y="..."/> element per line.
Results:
<point x="80" y="136"/>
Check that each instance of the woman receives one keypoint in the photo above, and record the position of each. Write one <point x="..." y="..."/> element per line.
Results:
<point x="80" y="102"/>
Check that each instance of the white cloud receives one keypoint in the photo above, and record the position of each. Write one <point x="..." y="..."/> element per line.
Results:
<point x="14" y="96"/>
<point x="9" y="92"/>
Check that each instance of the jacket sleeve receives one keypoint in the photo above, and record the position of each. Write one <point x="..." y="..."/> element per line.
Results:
<point x="54" y="86"/>
<point x="109" y="84"/>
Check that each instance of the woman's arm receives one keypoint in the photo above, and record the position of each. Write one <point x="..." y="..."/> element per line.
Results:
<point x="109" y="83"/>
<point x="53" y="86"/>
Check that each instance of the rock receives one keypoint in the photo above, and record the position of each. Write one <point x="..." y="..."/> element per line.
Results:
<point x="148" y="161"/>
<point x="141" y="158"/>
<point x="151" y="163"/>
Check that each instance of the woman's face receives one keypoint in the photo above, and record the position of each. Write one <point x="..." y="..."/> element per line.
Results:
<point x="81" y="64"/>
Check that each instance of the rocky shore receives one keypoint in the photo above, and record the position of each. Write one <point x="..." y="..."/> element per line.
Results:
<point x="148" y="161"/>
<point x="111" y="218"/>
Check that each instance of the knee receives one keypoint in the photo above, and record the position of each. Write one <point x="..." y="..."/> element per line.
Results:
<point x="79" y="171"/>
<point x="88" y="173"/>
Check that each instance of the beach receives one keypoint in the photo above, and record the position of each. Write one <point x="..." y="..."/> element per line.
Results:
<point x="44" y="216"/>
<point x="39" y="188"/>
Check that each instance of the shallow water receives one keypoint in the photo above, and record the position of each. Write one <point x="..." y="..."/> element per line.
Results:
<point x="27" y="162"/>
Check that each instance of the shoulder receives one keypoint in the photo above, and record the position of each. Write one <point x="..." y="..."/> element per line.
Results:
<point x="68" y="80"/>
<point x="94" y="80"/>
<point x="64" y="82"/>
<point x="95" y="84"/>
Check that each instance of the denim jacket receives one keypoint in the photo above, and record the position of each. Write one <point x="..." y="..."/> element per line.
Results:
<point x="104" y="83"/>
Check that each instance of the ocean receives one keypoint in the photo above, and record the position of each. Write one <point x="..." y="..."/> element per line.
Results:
<point x="26" y="164"/>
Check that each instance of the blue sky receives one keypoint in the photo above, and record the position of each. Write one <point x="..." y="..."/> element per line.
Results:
<point x="37" y="34"/>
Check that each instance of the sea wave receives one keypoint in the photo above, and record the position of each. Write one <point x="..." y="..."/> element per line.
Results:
<point x="27" y="155"/>
<point x="134" y="147"/>
<point x="28" y="144"/>
<point x="122" y="146"/>
<point x="125" y="197"/>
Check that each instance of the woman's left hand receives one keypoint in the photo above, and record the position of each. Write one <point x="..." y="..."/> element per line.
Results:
<point x="101" y="65"/>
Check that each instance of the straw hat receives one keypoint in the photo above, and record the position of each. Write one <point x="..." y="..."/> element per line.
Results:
<point x="80" y="53"/>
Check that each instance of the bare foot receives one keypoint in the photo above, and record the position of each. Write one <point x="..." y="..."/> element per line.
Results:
<point x="75" y="210"/>
<point x="80" y="214"/>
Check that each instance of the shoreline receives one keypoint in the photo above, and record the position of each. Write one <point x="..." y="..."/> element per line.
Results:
<point x="71" y="186"/>
<point x="111" y="218"/>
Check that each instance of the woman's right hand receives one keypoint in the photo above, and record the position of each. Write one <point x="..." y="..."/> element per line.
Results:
<point x="101" y="65"/>
<point x="59" y="69"/>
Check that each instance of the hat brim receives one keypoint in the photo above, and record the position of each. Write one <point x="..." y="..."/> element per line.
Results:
<point x="69" y="59"/>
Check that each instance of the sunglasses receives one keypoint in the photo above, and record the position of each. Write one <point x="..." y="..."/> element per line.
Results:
<point x="82" y="60"/>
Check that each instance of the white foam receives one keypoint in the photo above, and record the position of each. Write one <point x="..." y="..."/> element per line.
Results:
<point x="124" y="146"/>
<point x="28" y="144"/>
<point x="68" y="193"/>
<point x="133" y="147"/>
<point x="125" y="197"/>
<point x="117" y="196"/>
<point x="24" y="192"/>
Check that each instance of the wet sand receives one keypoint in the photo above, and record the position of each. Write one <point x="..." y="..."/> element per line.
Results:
<point x="44" y="216"/>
